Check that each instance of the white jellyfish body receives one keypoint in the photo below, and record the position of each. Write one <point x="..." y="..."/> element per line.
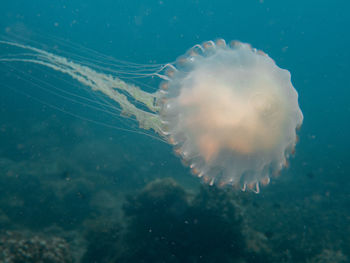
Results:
<point x="230" y="111"/>
<point x="231" y="114"/>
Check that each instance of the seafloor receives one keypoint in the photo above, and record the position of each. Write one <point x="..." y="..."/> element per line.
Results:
<point x="86" y="196"/>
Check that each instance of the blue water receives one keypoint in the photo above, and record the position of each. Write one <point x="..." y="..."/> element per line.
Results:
<point x="74" y="174"/>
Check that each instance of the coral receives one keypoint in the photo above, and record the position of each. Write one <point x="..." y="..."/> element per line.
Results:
<point x="103" y="239"/>
<point x="16" y="248"/>
<point x="329" y="256"/>
<point x="165" y="225"/>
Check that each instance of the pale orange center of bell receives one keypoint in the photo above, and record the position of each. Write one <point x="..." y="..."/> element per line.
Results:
<point x="220" y="118"/>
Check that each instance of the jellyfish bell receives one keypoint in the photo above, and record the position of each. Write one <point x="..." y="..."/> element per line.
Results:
<point x="231" y="113"/>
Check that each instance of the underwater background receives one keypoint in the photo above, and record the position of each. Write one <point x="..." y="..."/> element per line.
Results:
<point x="73" y="190"/>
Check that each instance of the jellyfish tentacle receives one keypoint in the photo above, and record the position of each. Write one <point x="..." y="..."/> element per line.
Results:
<point x="106" y="84"/>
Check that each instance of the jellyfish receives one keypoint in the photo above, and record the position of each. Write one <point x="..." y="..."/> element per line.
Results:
<point x="230" y="112"/>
